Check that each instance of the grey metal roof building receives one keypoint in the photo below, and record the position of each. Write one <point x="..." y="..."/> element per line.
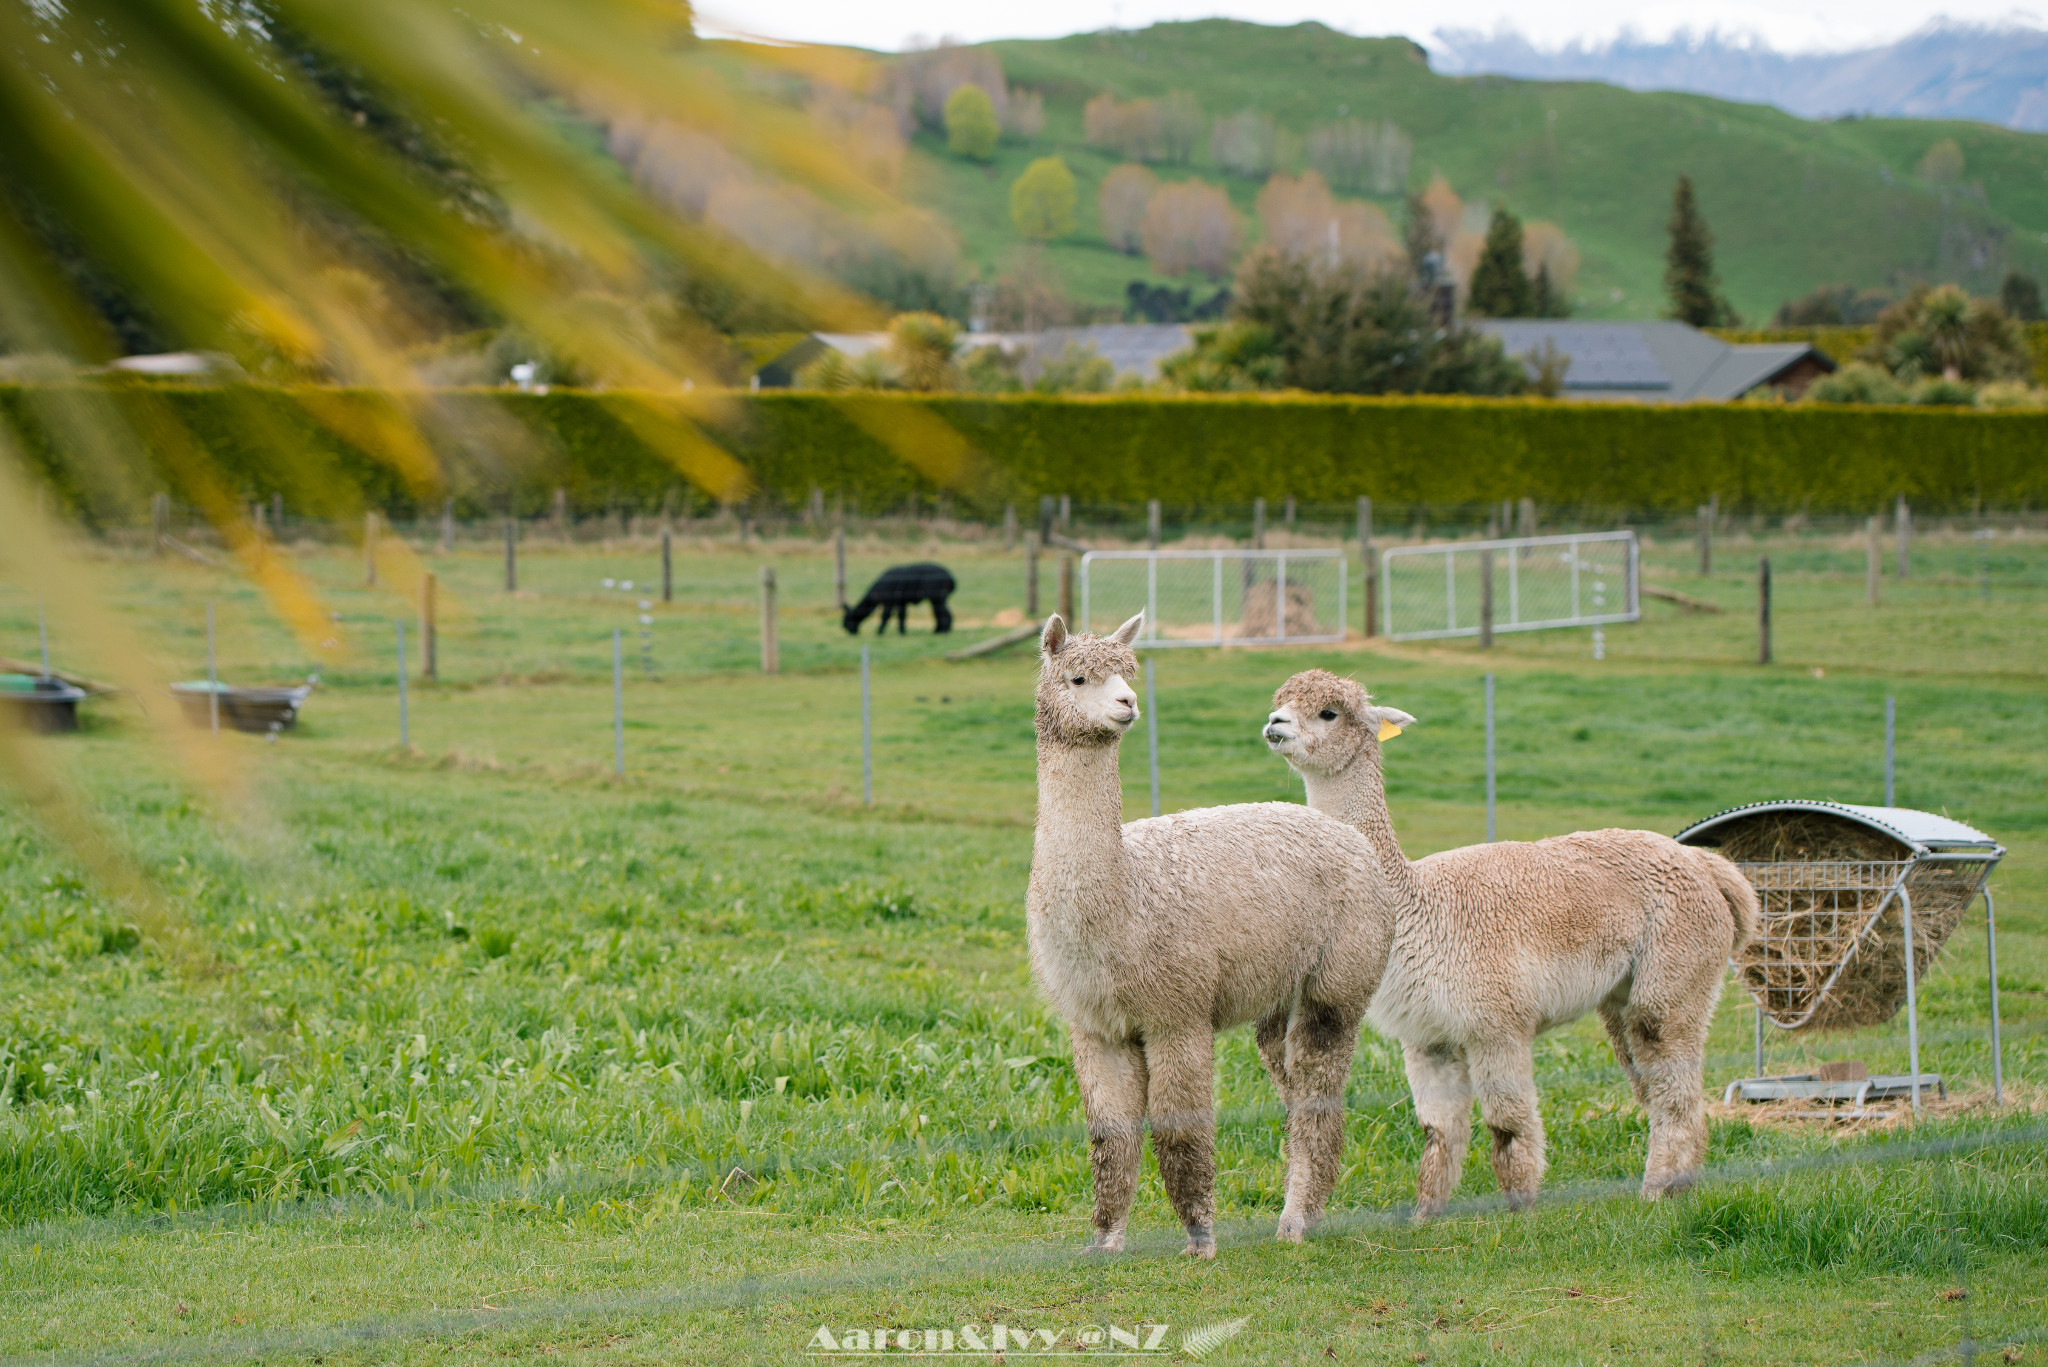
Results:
<point x="1655" y="361"/>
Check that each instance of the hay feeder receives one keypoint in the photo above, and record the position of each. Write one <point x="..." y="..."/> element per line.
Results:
<point x="1844" y="890"/>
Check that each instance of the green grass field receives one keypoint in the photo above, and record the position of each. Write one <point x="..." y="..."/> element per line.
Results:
<point x="1793" y="203"/>
<point x="490" y="1055"/>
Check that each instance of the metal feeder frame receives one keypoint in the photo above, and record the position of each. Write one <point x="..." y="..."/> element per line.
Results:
<point x="1934" y="842"/>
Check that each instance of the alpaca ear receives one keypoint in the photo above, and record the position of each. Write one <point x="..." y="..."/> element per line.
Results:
<point x="1392" y="722"/>
<point x="1128" y="632"/>
<point x="1054" y="636"/>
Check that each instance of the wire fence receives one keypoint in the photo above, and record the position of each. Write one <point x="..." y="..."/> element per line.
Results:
<point x="897" y="1273"/>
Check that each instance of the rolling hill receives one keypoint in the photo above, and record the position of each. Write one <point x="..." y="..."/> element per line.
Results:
<point x="1793" y="203"/>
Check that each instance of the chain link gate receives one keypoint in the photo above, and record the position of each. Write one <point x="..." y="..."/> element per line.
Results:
<point x="1581" y="580"/>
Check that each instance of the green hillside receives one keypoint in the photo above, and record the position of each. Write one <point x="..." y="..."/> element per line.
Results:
<point x="1793" y="204"/>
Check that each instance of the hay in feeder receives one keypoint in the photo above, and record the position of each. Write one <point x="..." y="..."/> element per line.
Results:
<point x="1821" y="880"/>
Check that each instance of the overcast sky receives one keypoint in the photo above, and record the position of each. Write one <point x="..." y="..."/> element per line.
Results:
<point x="1792" y="25"/>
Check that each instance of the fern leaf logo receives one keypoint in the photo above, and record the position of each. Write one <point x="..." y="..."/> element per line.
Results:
<point x="1197" y="1343"/>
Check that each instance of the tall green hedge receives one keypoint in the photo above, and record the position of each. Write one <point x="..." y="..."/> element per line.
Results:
<point x="501" y="450"/>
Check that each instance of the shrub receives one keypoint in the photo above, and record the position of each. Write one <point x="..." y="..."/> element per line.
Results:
<point x="1349" y="331"/>
<point x="1042" y="200"/>
<point x="1856" y="382"/>
<point x="972" y="129"/>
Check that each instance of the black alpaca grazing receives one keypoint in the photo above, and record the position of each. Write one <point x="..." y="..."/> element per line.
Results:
<point x="897" y="589"/>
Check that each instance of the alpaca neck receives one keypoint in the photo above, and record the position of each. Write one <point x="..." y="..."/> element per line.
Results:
<point x="1358" y="797"/>
<point x="1078" y="850"/>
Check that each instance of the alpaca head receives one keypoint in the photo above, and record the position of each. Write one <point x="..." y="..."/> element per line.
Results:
<point x="1084" y="697"/>
<point x="1322" y="724"/>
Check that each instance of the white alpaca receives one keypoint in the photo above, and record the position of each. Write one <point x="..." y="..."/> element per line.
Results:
<point x="1151" y="937"/>
<point x="1503" y="941"/>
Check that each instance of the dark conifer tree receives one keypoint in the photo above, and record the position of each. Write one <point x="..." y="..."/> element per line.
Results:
<point x="2021" y="296"/>
<point x="1500" y="286"/>
<point x="1689" y="265"/>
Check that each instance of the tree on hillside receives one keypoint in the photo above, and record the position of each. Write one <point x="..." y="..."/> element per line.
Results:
<point x="1302" y="218"/>
<point x="2021" y="296"/>
<point x="972" y="129"/>
<point x="1689" y="281"/>
<point x="1180" y="127"/>
<point x="1350" y="330"/>
<point x="1500" y="285"/>
<point x="1042" y="200"/>
<point x="1122" y="201"/>
<point x="1190" y="226"/>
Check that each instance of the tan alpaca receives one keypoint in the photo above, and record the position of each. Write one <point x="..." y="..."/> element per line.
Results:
<point x="1150" y="937"/>
<point x="1504" y="941"/>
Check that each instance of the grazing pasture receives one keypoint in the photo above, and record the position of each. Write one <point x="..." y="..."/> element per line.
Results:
<point x="489" y="1054"/>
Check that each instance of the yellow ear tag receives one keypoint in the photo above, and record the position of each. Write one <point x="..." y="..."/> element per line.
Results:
<point x="1388" y="730"/>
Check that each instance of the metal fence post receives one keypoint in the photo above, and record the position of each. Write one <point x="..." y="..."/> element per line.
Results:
<point x="404" y="721"/>
<point x="430" y="632"/>
<point x="1152" y="731"/>
<point x="771" y="656"/>
<point x="1492" y="829"/>
<point x="1031" y="575"/>
<point x="1486" y="605"/>
<point x="1991" y="960"/>
<point x="1891" y="722"/>
<point x="1912" y="996"/>
<point x="1763" y="610"/>
<point x="618" y="704"/>
<point x="1902" y="519"/>
<point x="668" y="577"/>
<point x="867" y="734"/>
<point x="511" y="554"/>
<point x="213" y="674"/>
<point x="1872" y="561"/>
<point x="1706" y="535"/>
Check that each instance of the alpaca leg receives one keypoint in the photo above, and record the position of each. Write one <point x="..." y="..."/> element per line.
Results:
<point x="1504" y="1076"/>
<point x="1442" y="1088"/>
<point x="942" y="618"/>
<point x="1617" y="1035"/>
<point x="1320" y="1041"/>
<point x="1669" y="1052"/>
<point x="1181" y="1104"/>
<point x="1113" y="1082"/>
<point x="903" y="618"/>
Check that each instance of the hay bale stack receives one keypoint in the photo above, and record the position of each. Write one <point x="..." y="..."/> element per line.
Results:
<point x="1261" y="617"/>
<point x="1820" y="878"/>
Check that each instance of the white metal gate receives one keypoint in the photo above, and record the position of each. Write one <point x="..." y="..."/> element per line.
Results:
<point x="1430" y="592"/>
<point x="1217" y="598"/>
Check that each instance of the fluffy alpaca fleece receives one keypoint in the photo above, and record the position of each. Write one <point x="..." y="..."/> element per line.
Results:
<point x="1151" y="937"/>
<point x="1501" y="942"/>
